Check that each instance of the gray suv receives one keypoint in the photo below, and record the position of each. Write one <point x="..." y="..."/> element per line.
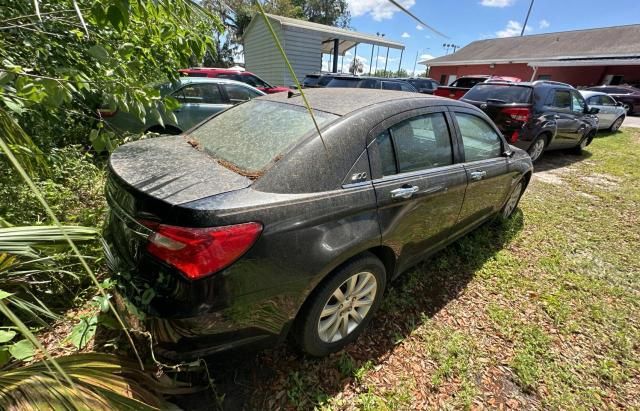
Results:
<point x="537" y="116"/>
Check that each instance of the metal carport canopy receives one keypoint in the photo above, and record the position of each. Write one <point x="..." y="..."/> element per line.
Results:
<point x="347" y="39"/>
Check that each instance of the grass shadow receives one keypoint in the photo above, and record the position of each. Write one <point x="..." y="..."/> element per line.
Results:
<point x="283" y="378"/>
<point x="552" y="160"/>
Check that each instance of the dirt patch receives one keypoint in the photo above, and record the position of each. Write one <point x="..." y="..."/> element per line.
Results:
<point x="603" y="181"/>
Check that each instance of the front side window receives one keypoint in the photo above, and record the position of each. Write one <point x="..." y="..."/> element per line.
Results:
<point x="199" y="94"/>
<point x="251" y="135"/>
<point x="595" y="101"/>
<point x="407" y="87"/>
<point x="238" y="94"/>
<point x="607" y="101"/>
<point x="577" y="102"/>
<point x="422" y="142"/>
<point x="480" y="140"/>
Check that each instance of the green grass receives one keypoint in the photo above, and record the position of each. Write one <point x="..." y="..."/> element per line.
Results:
<point x="540" y="312"/>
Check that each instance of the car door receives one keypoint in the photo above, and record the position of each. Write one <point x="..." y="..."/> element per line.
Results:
<point x="609" y="110"/>
<point x="197" y="102"/>
<point x="604" y="115"/>
<point x="486" y="165"/>
<point x="559" y="104"/>
<point x="582" y="118"/>
<point x="418" y="183"/>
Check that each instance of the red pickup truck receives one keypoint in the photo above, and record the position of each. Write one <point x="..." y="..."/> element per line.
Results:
<point x="459" y="87"/>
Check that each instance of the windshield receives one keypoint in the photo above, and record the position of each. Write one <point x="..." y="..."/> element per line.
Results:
<point x="502" y="93"/>
<point x="253" y="134"/>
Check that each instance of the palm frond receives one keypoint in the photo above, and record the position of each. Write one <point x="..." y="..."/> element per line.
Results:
<point x="101" y="382"/>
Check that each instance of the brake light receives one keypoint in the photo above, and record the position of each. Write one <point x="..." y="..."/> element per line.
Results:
<point x="514" y="137"/>
<point x="518" y="113"/>
<point x="199" y="252"/>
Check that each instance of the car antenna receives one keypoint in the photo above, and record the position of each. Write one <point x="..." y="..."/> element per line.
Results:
<point x="292" y="93"/>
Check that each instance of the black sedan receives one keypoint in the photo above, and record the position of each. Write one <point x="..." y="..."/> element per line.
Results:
<point x="252" y="227"/>
<point x="628" y="96"/>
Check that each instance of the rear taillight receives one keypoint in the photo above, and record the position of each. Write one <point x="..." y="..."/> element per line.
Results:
<point x="514" y="137"/>
<point x="518" y="113"/>
<point x="199" y="252"/>
<point x="106" y="113"/>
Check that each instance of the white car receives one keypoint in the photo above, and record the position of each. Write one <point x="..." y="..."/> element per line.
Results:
<point x="611" y="114"/>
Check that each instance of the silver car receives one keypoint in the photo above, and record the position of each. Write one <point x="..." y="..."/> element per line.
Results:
<point x="199" y="98"/>
<point x="611" y="114"/>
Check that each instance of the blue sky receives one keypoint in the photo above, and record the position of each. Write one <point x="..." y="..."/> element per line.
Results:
<point x="464" y="21"/>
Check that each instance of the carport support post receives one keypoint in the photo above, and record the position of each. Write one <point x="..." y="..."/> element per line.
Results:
<point x="535" y="71"/>
<point x="336" y="46"/>
<point x="373" y="46"/>
<point x="400" y="64"/>
<point x="386" y="59"/>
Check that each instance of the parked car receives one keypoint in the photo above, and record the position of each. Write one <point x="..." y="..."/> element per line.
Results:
<point x="459" y="87"/>
<point x="611" y="114"/>
<point x="538" y="116"/>
<point x="237" y="75"/>
<point x="199" y="98"/>
<point x="627" y="95"/>
<point x="380" y="83"/>
<point x="317" y="80"/>
<point x="422" y="84"/>
<point x="251" y="228"/>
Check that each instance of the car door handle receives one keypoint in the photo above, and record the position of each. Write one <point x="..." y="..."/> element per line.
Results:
<point x="404" y="192"/>
<point x="478" y="175"/>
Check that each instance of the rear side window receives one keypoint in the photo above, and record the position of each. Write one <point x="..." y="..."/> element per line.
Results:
<point x="560" y="99"/>
<point x="391" y="85"/>
<point x="253" y="134"/>
<point x="479" y="139"/>
<point x="238" y="94"/>
<point x="467" y="82"/>
<point x="199" y="94"/>
<point x="310" y="81"/>
<point x="407" y="87"/>
<point x="422" y="142"/>
<point x="503" y="93"/>
<point x="369" y="83"/>
<point x="253" y="81"/>
<point x="607" y="101"/>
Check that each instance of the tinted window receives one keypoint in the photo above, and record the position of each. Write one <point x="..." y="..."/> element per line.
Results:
<point x="229" y="76"/>
<point x="561" y="99"/>
<point x="467" y="82"/>
<point x="387" y="158"/>
<point x="324" y="80"/>
<point x="577" y="102"/>
<point x="422" y="142"/>
<point x="479" y="139"/>
<point x="407" y="87"/>
<point x="238" y="94"/>
<point x="254" y="81"/>
<point x="199" y="94"/>
<point x="391" y="85"/>
<point x="310" y="81"/>
<point x="419" y="84"/>
<point x="504" y="92"/>
<point x="369" y="83"/>
<point x="251" y="135"/>
<point x="607" y="101"/>
<point x="595" y="101"/>
<point x="343" y="82"/>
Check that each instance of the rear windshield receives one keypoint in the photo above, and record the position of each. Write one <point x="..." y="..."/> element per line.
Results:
<point x="343" y="82"/>
<point x="251" y="135"/>
<point x="467" y="82"/>
<point x="500" y="92"/>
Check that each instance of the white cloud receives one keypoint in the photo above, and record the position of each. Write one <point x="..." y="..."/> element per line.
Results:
<point x="497" y="3"/>
<point x="425" y="57"/>
<point x="427" y="36"/>
<point x="513" y="29"/>
<point x="419" y="27"/>
<point x="378" y="9"/>
<point x="405" y="35"/>
<point x="544" y="23"/>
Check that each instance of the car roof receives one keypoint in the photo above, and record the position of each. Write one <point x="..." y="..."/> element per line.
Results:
<point x="342" y="102"/>
<point x="213" y="80"/>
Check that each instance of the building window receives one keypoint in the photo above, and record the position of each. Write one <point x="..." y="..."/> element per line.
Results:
<point x="544" y="77"/>
<point x="443" y="79"/>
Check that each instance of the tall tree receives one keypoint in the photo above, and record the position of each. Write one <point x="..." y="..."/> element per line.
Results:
<point x="329" y="12"/>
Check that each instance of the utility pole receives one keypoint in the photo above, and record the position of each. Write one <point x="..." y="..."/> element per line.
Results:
<point x="526" y="20"/>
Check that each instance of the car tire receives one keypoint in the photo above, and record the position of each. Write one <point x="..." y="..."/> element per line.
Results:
<point x="537" y="147"/>
<point x="514" y="199"/>
<point x="584" y="142"/>
<point x="617" y="123"/>
<point x="326" y="323"/>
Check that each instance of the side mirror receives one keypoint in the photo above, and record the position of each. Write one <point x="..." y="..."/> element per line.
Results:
<point x="619" y="103"/>
<point x="509" y="153"/>
<point x="593" y="110"/>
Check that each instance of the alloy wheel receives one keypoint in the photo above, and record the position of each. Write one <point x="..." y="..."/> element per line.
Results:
<point x="513" y="201"/>
<point x="347" y="307"/>
<point x="617" y="124"/>
<point x="537" y="149"/>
